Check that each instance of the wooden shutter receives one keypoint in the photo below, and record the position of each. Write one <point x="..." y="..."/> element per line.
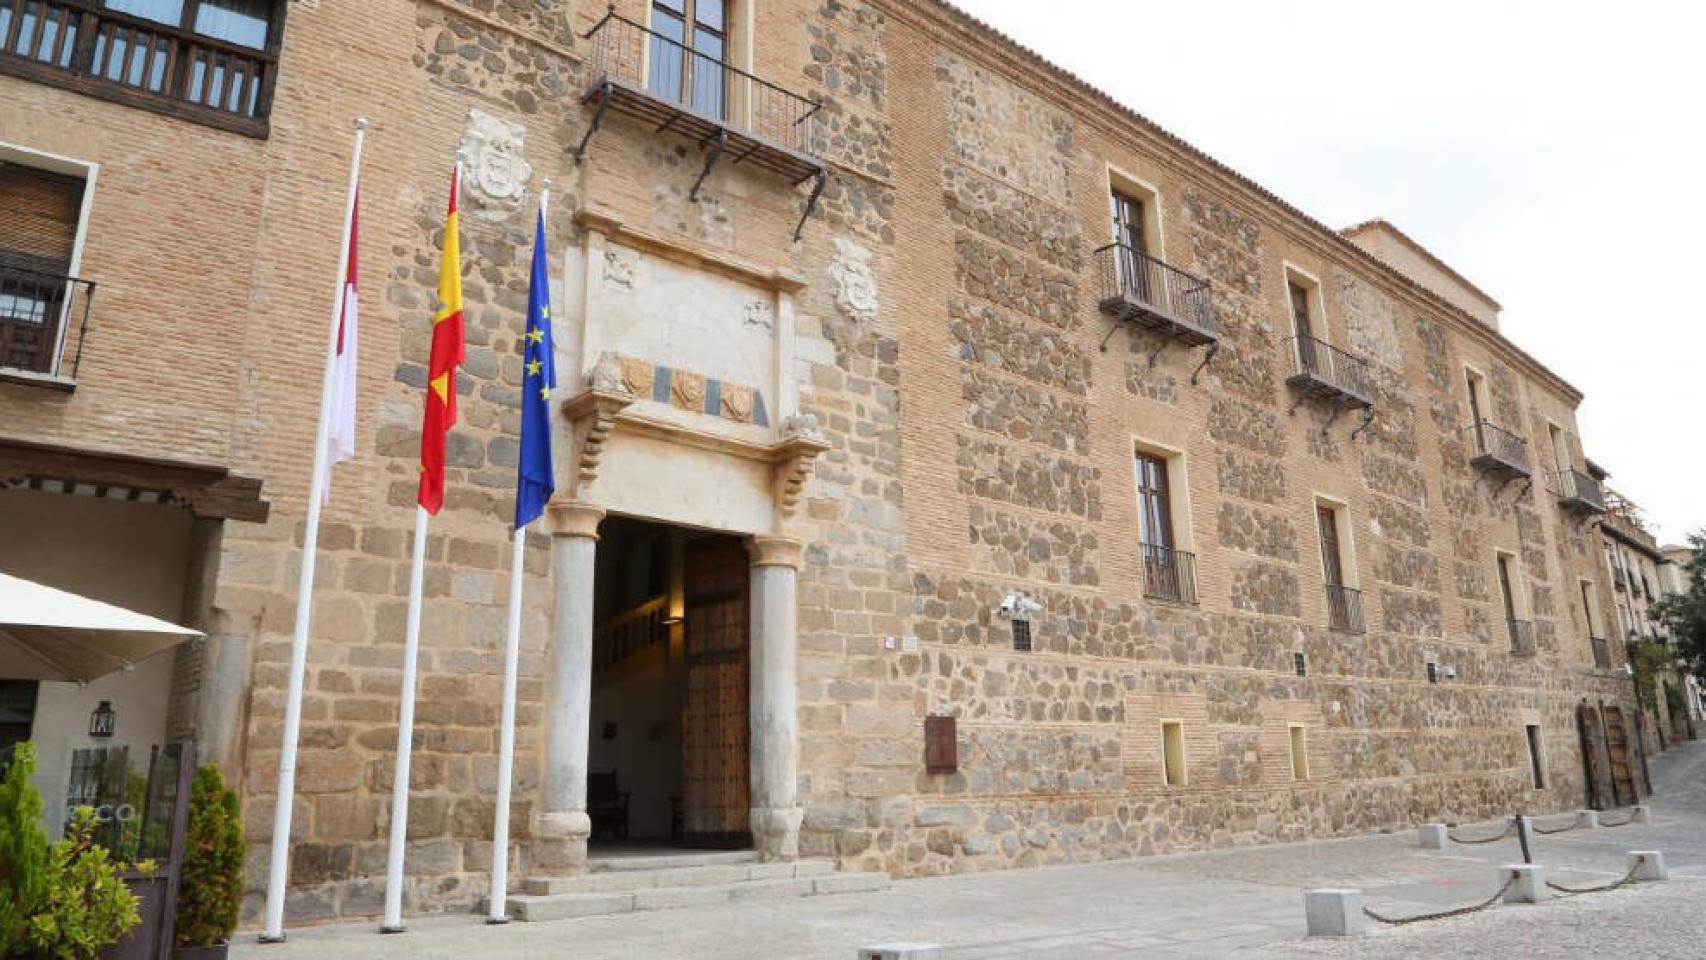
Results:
<point x="42" y="210"/>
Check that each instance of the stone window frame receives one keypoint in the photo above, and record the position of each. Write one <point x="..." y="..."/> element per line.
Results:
<point x="1154" y="232"/>
<point x="1519" y="582"/>
<point x="1594" y="612"/>
<point x="1297" y="736"/>
<point x="1178" y="487"/>
<point x="1317" y="291"/>
<point x="1346" y="537"/>
<point x="1170" y="749"/>
<point x="86" y="170"/>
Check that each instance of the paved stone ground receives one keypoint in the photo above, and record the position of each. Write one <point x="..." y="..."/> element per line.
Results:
<point x="1245" y="902"/>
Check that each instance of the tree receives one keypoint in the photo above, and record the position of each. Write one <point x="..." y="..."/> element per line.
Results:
<point x="23" y="848"/>
<point x="211" y="891"/>
<point x="1684" y="614"/>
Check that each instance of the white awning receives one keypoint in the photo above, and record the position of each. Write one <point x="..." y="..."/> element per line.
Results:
<point x="49" y="634"/>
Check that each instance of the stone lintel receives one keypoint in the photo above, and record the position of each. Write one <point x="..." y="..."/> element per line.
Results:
<point x="573" y="518"/>
<point x="768" y="550"/>
<point x="688" y="252"/>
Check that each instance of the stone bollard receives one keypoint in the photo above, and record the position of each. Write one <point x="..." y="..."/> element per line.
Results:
<point x="901" y="951"/>
<point x="1648" y="865"/>
<point x="1432" y="836"/>
<point x="1641" y="814"/>
<point x="1530" y="885"/>
<point x="1590" y="819"/>
<point x="1333" y="912"/>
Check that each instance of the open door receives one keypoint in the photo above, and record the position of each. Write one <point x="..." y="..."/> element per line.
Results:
<point x="716" y="730"/>
<point x="1617" y="746"/>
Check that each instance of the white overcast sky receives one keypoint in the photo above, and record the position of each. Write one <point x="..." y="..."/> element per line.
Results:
<point x="1553" y="153"/>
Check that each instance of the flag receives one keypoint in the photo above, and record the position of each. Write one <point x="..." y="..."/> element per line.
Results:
<point x="340" y="432"/>
<point x="447" y="355"/>
<point x="534" y="481"/>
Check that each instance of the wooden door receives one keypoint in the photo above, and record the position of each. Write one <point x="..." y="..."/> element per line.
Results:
<point x="715" y="724"/>
<point x="1617" y="747"/>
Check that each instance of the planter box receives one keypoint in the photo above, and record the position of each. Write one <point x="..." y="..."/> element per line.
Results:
<point x="215" y="952"/>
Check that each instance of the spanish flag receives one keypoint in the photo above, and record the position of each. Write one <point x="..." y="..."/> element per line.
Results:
<point x="447" y="355"/>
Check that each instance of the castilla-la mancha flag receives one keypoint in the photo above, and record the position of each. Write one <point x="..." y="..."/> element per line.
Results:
<point x="340" y="432"/>
<point x="447" y="355"/>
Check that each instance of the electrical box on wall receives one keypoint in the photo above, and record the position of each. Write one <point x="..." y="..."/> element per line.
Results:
<point x="941" y="746"/>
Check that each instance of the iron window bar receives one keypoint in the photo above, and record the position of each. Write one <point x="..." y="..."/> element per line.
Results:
<point x="44" y="319"/>
<point x="1579" y="492"/>
<point x="1499" y="450"/>
<point x="1323" y="370"/>
<point x="1522" y="637"/>
<point x="1344" y="609"/>
<point x="1168" y="574"/>
<point x="1601" y="652"/>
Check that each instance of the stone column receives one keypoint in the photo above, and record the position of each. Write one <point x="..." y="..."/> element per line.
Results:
<point x="563" y="825"/>
<point x="774" y="693"/>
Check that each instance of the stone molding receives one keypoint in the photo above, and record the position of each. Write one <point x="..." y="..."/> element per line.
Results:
<point x="573" y="518"/>
<point x="688" y="252"/>
<point x="592" y="417"/>
<point x="769" y="550"/>
<point x="495" y="170"/>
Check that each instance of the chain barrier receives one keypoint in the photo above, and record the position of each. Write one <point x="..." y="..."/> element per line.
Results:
<point x="1573" y="824"/>
<point x="1507" y="831"/>
<point x="1455" y="912"/>
<point x="1621" y="823"/>
<point x="1627" y="878"/>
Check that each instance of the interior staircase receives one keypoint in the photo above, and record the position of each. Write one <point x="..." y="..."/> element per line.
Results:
<point x="669" y="881"/>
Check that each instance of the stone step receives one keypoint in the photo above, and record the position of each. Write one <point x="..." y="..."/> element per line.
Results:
<point x="670" y="861"/>
<point x="628" y="881"/>
<point x="815" y="881"/>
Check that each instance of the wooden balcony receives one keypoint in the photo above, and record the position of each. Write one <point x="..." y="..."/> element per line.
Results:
<point x="1499" y="451"/>
<point x="1141" y="289"/>
<point x="1325" y="372"/>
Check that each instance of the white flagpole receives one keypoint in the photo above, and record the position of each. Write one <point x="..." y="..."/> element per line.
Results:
<point x="393" y="922"/>
<point x="506" y="732"/>
<point x="286" y="797"/>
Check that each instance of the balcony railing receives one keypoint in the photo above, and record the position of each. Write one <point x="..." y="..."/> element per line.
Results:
<point x="95" y="50"/>
<point x="43" y="320"/>
<point x="1522" y="637"/>
<point x="1324" y="370"/>
<point x="1601" y="653"/>
<point x="1499" y="450"/>
<point x="1138" y="287"/>
<point x="1168" y="574"/>
<point x="1344" y="608"/>
<point x="645" y="74"/>
<point x="630" y="632"/>
<point x="1580" y="492"/>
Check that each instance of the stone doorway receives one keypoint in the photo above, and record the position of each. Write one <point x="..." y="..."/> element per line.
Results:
<point x="669" y="733"/>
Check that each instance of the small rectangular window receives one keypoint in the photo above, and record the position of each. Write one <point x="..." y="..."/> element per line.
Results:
<point x="1534" y="757"/>
<point x="1299" y="664"/>
<point x="1299" y="754"/>
<point x="1173" y="753"/>
<point x="1022" y="635"/>
<point x="1433" y="672"/>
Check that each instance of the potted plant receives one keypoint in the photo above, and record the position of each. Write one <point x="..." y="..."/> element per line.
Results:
<point x="210" y="888"/>
<point x="63" y="900"/>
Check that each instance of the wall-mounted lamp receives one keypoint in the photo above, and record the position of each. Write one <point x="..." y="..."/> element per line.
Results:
<point x="102" y="720"/>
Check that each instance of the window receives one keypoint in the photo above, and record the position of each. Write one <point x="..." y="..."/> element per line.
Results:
<point x="1131" y="245"/>
<point x="1299" y="753"/>
<point x="1300" y="320"/>
<point x="1299" y="664"/>
<point x="213" y="60"/>
<point x="40" y="299"/>
<point x="1172" y="753"/>
<point x="1536" y="761"/>
<point x="1344" y="601"/>
<point x="1433" y="671"/>
<point x="1168" y="572"/>
<point x="1560" y="453"/>
<point x="1590" y="610"/>
<point x="1021" y="634"/>
<point x="1515" y="606"/>
<point x="689" y="54"/>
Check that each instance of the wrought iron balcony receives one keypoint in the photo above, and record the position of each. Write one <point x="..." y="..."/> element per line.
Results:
<point x="88" y="47"/>
<point x="1579" y="492"/>
<point x="1168" y="574"/>
<point x="43" y="320"/>
<point x="1522" y="637"/>
<point x="1618" y="580"/>
<point x="727" y="111"/>
<point x="1325" y="371"/>
<point x="1344" y="609"/>
<point x="1142" y="289"/>
<point x="1601" y="653"/>
<point x="1500" y="451"/>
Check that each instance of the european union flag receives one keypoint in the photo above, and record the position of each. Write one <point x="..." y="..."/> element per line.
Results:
<point x="534" y="481"/>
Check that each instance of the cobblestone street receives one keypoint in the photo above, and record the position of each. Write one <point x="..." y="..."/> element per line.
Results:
<point x="1233" y="902"/>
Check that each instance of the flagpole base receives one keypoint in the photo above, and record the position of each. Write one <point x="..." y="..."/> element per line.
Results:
<point x="270" y="938"/>
<point x="388" y="928"/>
<point x="496" y="921"/>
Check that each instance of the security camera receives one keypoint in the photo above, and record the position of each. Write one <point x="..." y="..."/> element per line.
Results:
<point x="1014" y="605"/>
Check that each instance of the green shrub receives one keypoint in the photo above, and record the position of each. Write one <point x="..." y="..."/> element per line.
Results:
<point x="65" y="901"/>
<point x="211" y="889"/>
